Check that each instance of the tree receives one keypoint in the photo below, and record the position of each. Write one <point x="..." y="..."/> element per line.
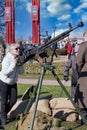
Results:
<point x="2" y="22"/>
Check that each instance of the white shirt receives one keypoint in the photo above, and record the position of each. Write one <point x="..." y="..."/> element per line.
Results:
<point x="9" y="72"/>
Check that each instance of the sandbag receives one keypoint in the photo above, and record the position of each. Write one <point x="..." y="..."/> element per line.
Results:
<point x="18" y="108"/>
<point x="43" y="106"/>
<point x="60" y="103"/>
<point x="41" y="122"/>
<point x="65" y="114"/>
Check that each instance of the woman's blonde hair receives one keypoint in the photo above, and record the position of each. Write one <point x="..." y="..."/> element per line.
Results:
<point x="11" y="46"/>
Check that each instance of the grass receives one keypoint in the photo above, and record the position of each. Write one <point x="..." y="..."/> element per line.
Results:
<point x="34" y="70"/>
<point x="73" y="126"/>
<point x="55" y="91"/>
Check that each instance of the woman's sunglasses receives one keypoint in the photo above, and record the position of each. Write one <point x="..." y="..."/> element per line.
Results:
<point x="17" y="48"/>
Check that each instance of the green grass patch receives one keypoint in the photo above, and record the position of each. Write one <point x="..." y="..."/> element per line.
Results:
<point x="34" y="70"/>
<point x="55" y="91"/>
<point x="73" y="126"/>
<point x="65" y="124"/>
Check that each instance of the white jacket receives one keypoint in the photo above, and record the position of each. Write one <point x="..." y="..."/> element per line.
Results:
<point x="9" y="72"/>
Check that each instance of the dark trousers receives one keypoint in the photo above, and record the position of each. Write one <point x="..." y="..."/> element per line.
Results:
<point x="8" y="98"/>
<point x="73" y="85"/>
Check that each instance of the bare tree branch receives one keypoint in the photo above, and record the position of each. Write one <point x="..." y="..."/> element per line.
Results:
<point x="2" y="22"/>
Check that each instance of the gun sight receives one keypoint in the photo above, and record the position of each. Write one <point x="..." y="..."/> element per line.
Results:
<point x="81" y="24"/>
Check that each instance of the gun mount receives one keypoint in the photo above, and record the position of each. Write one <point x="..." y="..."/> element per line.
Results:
<point x="40" y="50"/>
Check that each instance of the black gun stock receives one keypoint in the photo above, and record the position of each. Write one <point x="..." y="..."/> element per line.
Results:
<point x="40" y="50"/>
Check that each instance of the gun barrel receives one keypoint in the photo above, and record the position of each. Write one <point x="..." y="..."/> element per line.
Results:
<point x="30" y="54"/>
<point x="61" y="36"/>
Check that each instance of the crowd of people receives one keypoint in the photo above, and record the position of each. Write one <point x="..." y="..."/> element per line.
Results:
<point x="77" y="60"/>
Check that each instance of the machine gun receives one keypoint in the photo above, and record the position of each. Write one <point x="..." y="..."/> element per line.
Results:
<point x="40" y="50"/>
<point x="34" y="92"/>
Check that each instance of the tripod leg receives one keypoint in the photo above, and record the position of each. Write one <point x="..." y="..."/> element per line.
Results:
<point x="68" y="95"/>
<point x="32" y="97"/>
<point x="37" y="96"/>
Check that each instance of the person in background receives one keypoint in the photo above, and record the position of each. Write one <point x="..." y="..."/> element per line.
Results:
<point x="8" y="80"/>
<point x="2" y="51"/>
<point x="81" y="62"/>
<point x="75" y="46"/>
<point x="71" y="64"/>
<point x="54" y="47"/>
<point x="69" y="49"/>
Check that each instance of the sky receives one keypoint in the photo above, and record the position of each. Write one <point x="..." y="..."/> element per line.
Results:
<point x="53" y="13"/>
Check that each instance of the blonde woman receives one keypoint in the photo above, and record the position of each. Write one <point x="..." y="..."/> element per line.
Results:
<point x="8" y="80"/>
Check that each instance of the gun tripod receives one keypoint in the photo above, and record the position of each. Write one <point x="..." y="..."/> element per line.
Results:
<point x="36" y="93"/>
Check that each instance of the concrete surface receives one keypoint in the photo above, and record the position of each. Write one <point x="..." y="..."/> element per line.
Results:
<point x="45" y="82"/>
